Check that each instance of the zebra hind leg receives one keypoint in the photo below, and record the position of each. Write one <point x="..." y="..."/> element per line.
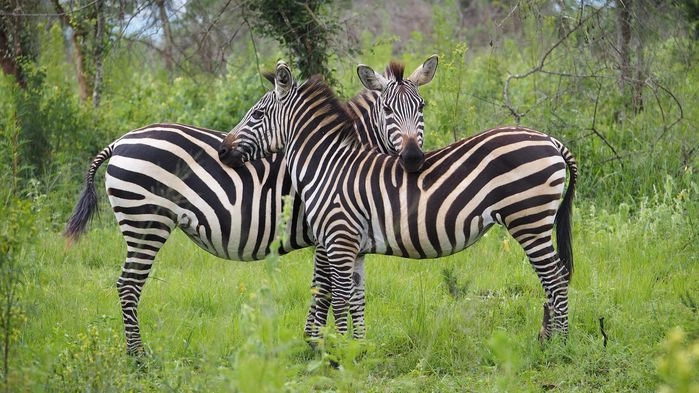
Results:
<point x="140" y="256"/>
<point x="545" y="331"/>
<point x="553" y="278"/>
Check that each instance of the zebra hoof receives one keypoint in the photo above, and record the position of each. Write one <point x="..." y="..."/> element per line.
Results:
<point x="313" y="342"/>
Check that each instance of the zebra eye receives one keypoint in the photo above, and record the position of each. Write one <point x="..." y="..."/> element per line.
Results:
<point x="387" y="110"/>
<point x="422" y="105"/>
<point x="257" y="114"/>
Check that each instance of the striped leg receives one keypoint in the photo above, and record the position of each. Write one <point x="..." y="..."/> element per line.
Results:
<point x="318" y="312"/>
<point x="322" y="295"/>
<point x="553" y="277"/>
<point x="357" y="301"/>
<point x="140" y="254"/>
<point x="343" y="257"/>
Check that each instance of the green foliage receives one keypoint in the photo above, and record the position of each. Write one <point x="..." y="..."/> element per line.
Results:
<point x="17" y="231"/>
<point x="466" y="322"/>
<point x="305" y="29"/>
<point x="678" y="366"/>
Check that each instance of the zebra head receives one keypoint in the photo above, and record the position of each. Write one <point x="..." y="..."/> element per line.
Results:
<point x="251" y="138"/>
<point x="400" y="107"/>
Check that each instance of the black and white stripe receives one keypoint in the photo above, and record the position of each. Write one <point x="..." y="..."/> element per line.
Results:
<point x="358" y="201"/>
<point x="168" y="176"/>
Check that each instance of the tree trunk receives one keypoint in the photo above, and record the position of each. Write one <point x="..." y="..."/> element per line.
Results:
<point x="631" y="70"/>
<point x="12" y="33"/>
<point x="77" y="38"/>
<point x="99" y="54"/>
<point x="167" y="36"/>
<point x="7" y="59"/>
<point x="624" y="42"/>
<point x="639" y="78"/>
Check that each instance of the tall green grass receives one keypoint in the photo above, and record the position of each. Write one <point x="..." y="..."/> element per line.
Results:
<point x="463" y="323"/>
<point x="467" y="322"/>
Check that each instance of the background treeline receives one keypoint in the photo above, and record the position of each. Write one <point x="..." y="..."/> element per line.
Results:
<point x="616" y="81"/>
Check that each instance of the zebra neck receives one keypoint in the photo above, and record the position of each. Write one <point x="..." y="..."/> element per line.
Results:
<point x="311" y="153"/>
<point x="369" y="124"/>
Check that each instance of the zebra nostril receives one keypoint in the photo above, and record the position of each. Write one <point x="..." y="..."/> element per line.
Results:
<point x="222" y="151"/>
<point x="230" y="157"/>
<point x="412" y="158"/>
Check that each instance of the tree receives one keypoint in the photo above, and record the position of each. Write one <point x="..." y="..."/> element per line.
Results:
<point x="17" y="47"/>
<point x="167" y="35"/>
<point x="630" y="76"/>
<point x="88" y="30"/>
<point x="303" y="27"/>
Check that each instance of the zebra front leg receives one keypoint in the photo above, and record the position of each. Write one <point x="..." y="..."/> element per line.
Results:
<point x="357" y="301"/>
<point x="320" y="305"/>
<point x="342" y="262"/>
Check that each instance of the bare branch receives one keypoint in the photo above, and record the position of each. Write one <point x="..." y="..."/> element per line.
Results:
<point x="593" y="128"/>
<point x="540" y="66"/>
<point x="679" y="106"/>
<point x="254" y="48"/>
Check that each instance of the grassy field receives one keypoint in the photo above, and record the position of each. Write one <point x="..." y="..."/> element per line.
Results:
<point x="462" y="323"/>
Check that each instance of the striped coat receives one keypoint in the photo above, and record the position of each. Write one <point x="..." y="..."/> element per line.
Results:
<point x="168" y="176"/>
<point x="358" y="201"/>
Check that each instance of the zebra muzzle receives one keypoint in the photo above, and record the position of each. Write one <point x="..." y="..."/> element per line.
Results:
<point x="230" y="156"/>
<point x="411" y="157"/>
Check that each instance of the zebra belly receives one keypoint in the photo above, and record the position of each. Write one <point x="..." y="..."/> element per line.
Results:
<point x="420" y="245"/>
<point x="171" y="178"/>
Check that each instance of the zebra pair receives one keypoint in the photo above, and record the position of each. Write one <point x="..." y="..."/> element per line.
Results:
<point x="167" y="176"/>
<point x="359" y="201"/>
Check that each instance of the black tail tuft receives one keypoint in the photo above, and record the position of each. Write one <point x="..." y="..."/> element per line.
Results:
<point x="82" y="213"/>
<point x="86" y="207"/>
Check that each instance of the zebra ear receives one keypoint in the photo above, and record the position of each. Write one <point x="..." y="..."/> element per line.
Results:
<point x="283" y="81"/>
<point x="424" y="74"/>
<point x="370" y="79"/>
<point x="269" y="76"/>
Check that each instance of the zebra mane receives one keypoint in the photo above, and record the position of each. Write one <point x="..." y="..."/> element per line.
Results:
<point x="395" y="70"/>
<point x="316" y="89"/>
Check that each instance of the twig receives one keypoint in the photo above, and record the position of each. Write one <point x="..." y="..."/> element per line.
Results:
<point x="679" y="106"/>
<point x="539" y="67"/>
<point x="213" y="23"/>
<point x="512" y="11"/>
<point x="311" y="13"/>
<point x="254" y="48"/>
<point x="601" y="329"/>
<point x="599" y="135"/>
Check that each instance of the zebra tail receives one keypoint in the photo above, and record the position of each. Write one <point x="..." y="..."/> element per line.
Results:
<point x="86" y="207"/>
<point x="563" y="220"/>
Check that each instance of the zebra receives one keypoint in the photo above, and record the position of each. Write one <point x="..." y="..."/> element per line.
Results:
<point x="359" y="201"/>
<point x="167" y="176"/>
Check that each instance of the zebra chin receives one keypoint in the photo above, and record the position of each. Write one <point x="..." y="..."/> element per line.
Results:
<point x="412" y="158"/>
<point x="230" y="157"/>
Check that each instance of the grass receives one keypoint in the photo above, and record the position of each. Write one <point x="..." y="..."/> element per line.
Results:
<point x="467" y="322"/>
